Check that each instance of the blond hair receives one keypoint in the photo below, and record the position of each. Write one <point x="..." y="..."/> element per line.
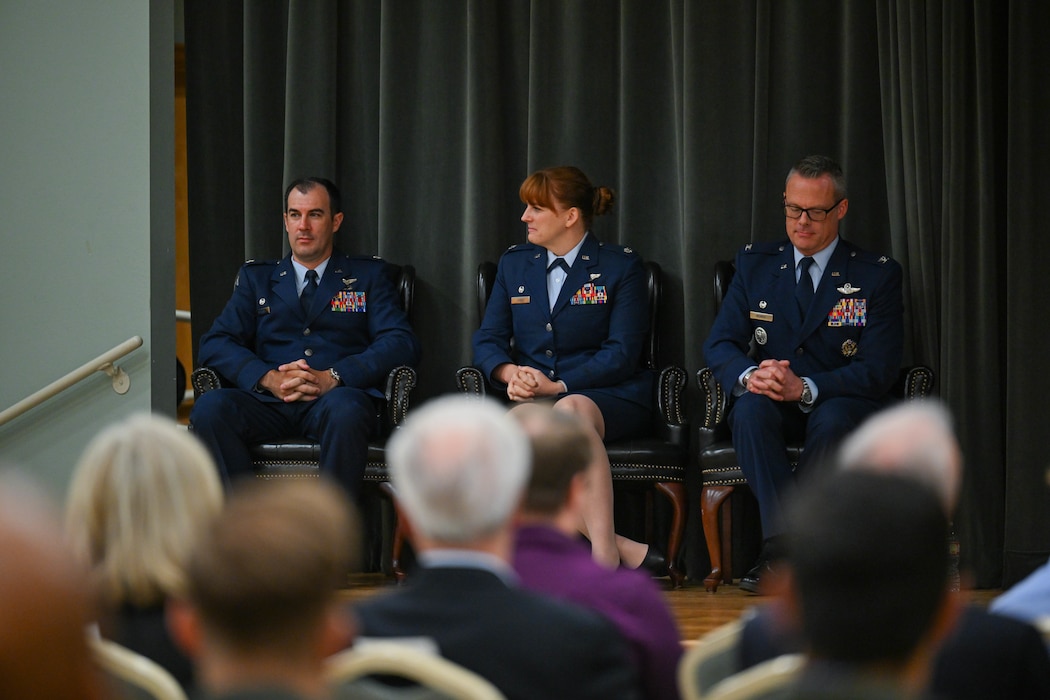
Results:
<point x="141" y="495"/>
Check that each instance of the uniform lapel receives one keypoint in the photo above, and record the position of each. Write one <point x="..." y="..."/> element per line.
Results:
<point x="536" y="281"/>
<point x="282" y="282"/>
<point x="580" y="273"/>
<point x="784" y="287"/>
<point x="337" y="269"/>
<point x="827" y="292"/>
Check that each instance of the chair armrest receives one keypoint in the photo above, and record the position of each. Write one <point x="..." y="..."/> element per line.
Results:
<point x="399" y="385"/>
<point x="669" y="402"/>
<point x="470" y="381"/>
<point x="203" y="380"/>
<point x="712" y="426"/>
<point x="670" y="422"/>
<point x="715" y="399"/>
<point x="915" y="382"/>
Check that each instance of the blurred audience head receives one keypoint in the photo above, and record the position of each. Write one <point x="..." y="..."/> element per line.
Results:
<point x="913" y="439"/>
<point x="869" y="571"/>
<point x="264" y="578"/>
<point x="44" y="606"/>
<point x="561" y="451"/>
<point x="459" y="466"/>
<point x="139" y="499"/>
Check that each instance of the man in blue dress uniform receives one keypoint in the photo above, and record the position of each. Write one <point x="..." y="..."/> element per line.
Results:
<point x="306" y="342"/>
<point x="826" y="321"/>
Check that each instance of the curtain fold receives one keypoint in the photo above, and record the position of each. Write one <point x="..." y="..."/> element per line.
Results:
<point x="429" y="115"/>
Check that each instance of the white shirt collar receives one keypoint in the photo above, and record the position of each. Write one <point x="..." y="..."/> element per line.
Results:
<point x="820" y="259"/>
<point x="300" y="272"/>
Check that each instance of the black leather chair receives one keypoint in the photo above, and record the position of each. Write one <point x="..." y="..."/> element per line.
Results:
<point x="298" y="457"/>
<point x="655" y="462"/>
<point x="720" y="471"/>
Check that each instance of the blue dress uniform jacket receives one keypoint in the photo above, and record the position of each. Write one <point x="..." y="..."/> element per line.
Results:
<point x="355" y="325"/>
<point x="851" y="341"/>
<point x="594" y="336"/>
<point x="849" y="345"/>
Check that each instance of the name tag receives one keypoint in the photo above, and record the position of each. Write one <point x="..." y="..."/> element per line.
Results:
<point x="759" y="316"/>
<point x="521" y="300"/>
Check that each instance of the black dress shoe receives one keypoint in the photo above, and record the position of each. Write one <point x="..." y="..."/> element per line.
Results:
<point x="655" y="562"/>
<point x="752" y="580"/>
<point x="772" y="553"/>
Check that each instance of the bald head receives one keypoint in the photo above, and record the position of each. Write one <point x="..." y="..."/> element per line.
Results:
<point x="913" y="439"/>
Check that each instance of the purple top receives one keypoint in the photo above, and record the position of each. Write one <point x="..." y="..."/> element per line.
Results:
<point x="549" y="562"/>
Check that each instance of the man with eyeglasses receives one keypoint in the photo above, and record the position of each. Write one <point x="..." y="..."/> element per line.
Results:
<point x="808" y="341"/>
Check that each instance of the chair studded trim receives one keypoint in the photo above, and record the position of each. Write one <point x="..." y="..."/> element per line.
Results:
<point x="713" y="477"/>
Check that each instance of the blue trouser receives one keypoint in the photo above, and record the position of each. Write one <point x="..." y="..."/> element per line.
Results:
<point x="761" y="428"/>
<point x="228" y="421"/>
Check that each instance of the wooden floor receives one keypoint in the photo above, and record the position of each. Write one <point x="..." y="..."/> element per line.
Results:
<point x="697" y="610"/>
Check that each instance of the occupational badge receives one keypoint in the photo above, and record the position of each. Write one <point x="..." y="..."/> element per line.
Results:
<point x="848" y="289"/>
<point x="761" y="337"/>
<point x="849" y="347"/>
<point x="762" y="304"/>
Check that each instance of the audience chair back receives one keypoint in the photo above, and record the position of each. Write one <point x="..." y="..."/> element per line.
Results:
<point x="656" y="462"/>
<point x="720" y="471"/>
<point x="711" y="660"/>
<point x="769" y="680"/>
<point x="133" y="676"/>
<point x="432" y="676"/>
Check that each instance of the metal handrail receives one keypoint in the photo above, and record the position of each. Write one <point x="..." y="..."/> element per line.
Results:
<point x="102" y="363"/>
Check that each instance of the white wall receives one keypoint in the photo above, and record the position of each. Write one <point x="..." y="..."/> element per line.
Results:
<point x="87" y="229"/>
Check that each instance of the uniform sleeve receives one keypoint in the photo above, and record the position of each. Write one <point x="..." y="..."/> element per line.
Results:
<point x="228" y="347"/>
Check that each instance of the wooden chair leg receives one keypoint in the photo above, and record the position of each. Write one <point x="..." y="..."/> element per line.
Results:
<point x="674" y="491"/>
<point x="726" y="532"/>
<point x="398" y="541"/>
<point x="711" y="499"/>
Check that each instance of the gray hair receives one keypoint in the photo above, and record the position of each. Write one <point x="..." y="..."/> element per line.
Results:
<point x="816" y="166"/>
<point x="142" y="493"/>
<point x="913" y="439"/>
<point x="459" y="466"/>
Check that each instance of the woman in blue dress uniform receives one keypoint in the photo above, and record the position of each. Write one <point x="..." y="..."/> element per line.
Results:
<point x="578" y="314"/>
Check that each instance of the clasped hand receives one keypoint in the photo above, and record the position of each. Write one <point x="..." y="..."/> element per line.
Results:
<point x="297" y="381"/>
<point x="776" y="379"/>
<point x="527" y="383"/>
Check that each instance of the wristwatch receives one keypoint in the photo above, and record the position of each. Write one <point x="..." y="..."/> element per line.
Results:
<point x="335" y="375"/>
<point x="807" y="395"/>
<point x="747" y="377"/>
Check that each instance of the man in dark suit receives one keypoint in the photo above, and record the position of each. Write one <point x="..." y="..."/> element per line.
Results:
<point x="825" y="320"/>
<point x="459" y="467"/>
<point x="306" y="342"/>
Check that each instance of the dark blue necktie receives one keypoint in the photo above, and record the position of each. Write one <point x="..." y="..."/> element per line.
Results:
<point x="804" y="288"/>
<point x="306" y="297"/>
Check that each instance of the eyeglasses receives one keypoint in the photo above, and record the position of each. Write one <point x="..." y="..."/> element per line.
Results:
<point x="814" y="214"/>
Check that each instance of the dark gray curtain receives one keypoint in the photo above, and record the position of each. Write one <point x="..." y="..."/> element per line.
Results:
<point x="429" y="115"/>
